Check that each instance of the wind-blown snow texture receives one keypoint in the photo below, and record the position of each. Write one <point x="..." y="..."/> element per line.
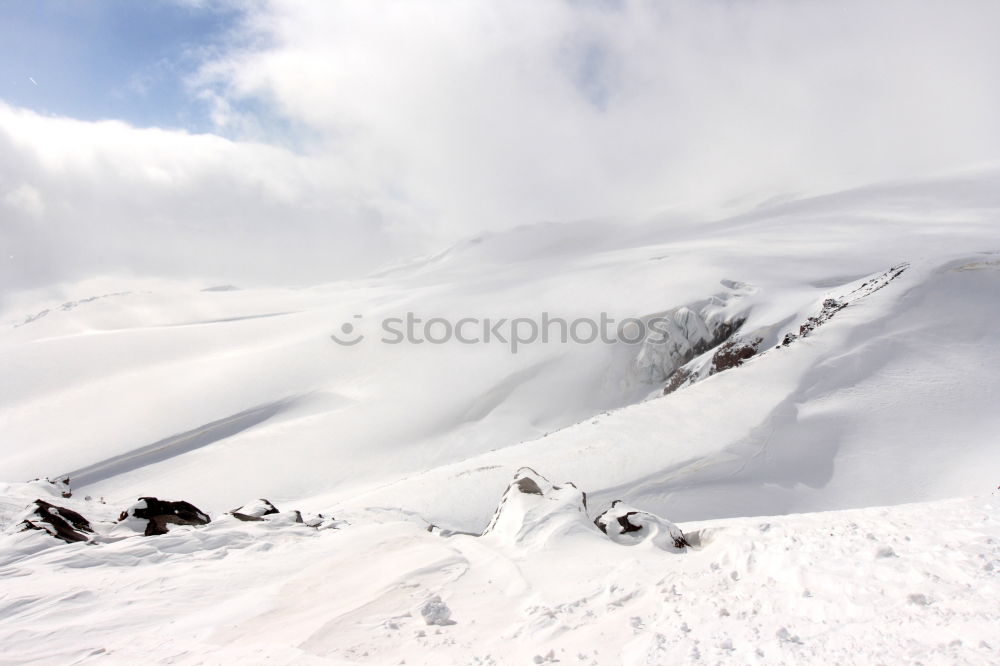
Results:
<point x="834" y="353"/>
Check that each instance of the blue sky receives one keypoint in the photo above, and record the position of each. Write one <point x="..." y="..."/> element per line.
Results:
<point x="99" y="59"/>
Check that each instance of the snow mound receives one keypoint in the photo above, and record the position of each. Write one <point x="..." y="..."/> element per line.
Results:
<point x="323" y="522"/>
<point x="629" y="526"/>
<point x="293" y="517"/>
<point x="436" y="612"/>
<point x="152" y="516"/>
<point x="60" y="486"/>
<point x="534" y="511"/>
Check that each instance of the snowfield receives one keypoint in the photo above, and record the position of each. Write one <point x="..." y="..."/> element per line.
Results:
<point x="832" y="363"/>
<point x="910" y="583"/>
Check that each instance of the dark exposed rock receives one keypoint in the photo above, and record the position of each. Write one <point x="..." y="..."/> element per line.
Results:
<point x="733" y="353"/>
<point x="528" y="485"/>
<point x="60" y="522"/>
<point x="679" y="378"/>
<point x="832" y="306"/>
<point x="625" y="524"/>
<point x="158" y="514"/>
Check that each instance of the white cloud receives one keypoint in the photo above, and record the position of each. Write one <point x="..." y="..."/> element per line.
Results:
<point x="438" y="118"/>
<point x="499" y="113"/>
<point x="24" y="199"/>
<point x="159" y="202"/>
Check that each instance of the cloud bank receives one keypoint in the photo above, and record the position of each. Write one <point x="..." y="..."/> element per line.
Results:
<point x="359" y="131"/>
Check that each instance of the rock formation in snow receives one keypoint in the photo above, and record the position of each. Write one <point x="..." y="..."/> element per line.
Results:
<point x="733" y="350"/>
<point x="255" y="510"/>
<point x="732" y="354"/>
<point x="152" y="516"/>
<point x="533" y="510"/>
<point x="683" y="334"/>
<point x="60" y="522"/>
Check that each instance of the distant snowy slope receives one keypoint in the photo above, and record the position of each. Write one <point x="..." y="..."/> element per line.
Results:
<point x="890" y="401"/>
<point x="220" y="395"/>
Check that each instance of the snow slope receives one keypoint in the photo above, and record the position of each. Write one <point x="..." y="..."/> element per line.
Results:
<point x="913" y="583"/>
<point x="165" y="388"/>
<point x="893" y="400"/>
<point x="219" y="396"/>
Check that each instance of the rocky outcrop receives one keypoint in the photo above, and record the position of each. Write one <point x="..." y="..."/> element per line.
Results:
<point x="533" y="512"/>
<point x="679" y="336"/>
<point x="832" y="306"/>
<point x="675" y="338"/>
<point x="629" y="526"/>
<point x="680" y="377"/>
<point x="153" y="516"/>
<point x="61" y="485"/>
<point x="94" y="522"/>
<point x="732" y="354"/>
<point x="60" y="522"/>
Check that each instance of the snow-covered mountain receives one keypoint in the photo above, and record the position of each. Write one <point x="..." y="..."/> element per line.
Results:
<point x="828" y="354"/>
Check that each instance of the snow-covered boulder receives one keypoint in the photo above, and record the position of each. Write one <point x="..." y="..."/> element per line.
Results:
<point x="263" y="510"/>
<point x="60" y="486"/>
<point x="152" y="516"/>
<point x="533" y="510"/>
<point x="60" y="522"/>
<point x="629" y="526"/>
<point x="255" y="510"/>
<point x="292" y="517"/>
<point x="321" y="522"/>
